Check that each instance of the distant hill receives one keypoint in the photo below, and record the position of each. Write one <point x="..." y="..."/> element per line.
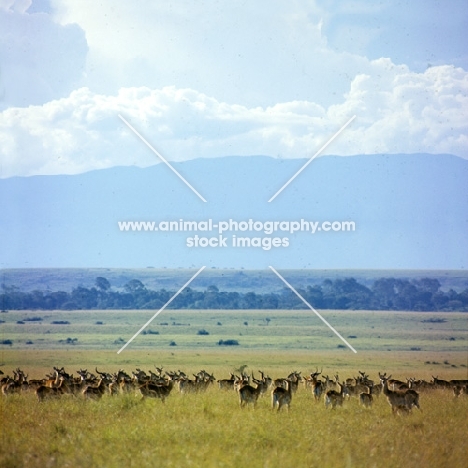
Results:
<point x="410" y="212"/>
<point x="243" y="281"/>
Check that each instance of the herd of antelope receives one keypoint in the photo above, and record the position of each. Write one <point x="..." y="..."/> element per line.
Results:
<point x="401" y="396"/>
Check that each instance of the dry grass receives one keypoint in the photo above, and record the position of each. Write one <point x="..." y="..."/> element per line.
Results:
<point x="211" y="430"/>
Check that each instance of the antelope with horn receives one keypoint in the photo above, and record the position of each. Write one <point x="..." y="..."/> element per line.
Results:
<point x="281" y="396"/>
<point x="399" y="400"/>
<point x="335" y="398"/>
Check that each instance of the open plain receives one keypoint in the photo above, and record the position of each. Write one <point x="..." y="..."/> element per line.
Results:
<point x="209" y="428"/>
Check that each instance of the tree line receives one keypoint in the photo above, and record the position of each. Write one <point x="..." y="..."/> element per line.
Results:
<point x="346" y="294"/>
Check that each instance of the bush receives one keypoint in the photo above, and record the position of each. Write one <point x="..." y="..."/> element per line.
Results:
<point x="6" y="342"/>
<point x="172" y="343"/>
<point x="99" y="323"/>
<point x="20" y="322"/>
<point x="60" y="322"/>
<point x="202" y="332"/>
<point x="228" y="343"/>
<point x="32" y="319"/>
<point x="150" y="332"/>
<point x="71" y="341"/>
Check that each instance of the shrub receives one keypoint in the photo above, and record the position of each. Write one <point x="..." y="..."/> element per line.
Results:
<point x="6" y="342"/>
<point x="20" y="322"/>
<point x="60" y="322"/>
<point x="172" y="343"/>
<point x="71" y="341"/>
<point x="228" y="343"/>
<point x="202" y="332"/>
<point x="99" y="323"/>
<point x="434" y="320"/>
<point x="150" y="332"/>
<point x="32" y="319"/>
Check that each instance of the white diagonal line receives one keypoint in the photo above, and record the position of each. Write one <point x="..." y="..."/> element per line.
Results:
<point x="160" y="156"/>
<point x="313" y="310"/>
<point x="311" y="159"/>
<point x="161" y="309"/>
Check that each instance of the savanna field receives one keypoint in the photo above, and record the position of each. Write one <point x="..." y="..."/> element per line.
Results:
<point x="209" y="428"/>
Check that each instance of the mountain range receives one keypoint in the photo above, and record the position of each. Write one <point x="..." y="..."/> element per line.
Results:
<point x="410" y="211"/>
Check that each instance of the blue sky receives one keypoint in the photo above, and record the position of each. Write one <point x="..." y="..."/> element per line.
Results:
<point x="208" y="79"/>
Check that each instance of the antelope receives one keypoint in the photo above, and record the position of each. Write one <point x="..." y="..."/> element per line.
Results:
<point x="459" y="387"/>
<point x="95" y="392"/>
<point x="152" y="390"/>
<point x="357" y="390"/>
<point x="121" y="383"/>
<point x="365" y="398"/>
<point x="281" y="396"/>
<point x="45" y="391"/>
<point x="399" y="399"/>
<point x="263" y="384"/>
<point x="459" y="390"/>
<point x="227" y="384"/>
<point x="317" y="385"/>
<point x="438" y="383"/>
<point x="335" y="398"/>
<point x="331" y="384"/>
<point x="294" y="378"/>
<point x="248" y="394"/>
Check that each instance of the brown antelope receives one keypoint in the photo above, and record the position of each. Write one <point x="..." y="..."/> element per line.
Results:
<point x="95" y="393"/>
<point x="365" y="398"/>
<point x="399" y="399"/>
<point x="227" y="384"/>
<point x="293" y="378"/>
<point x="442" y="384"/>
<point x="121" y="383"/>
<point x="316" y="385"/>
<point x="248" y="394"/>
<point x="43" y="392"/>
<point x="458" y="390"/>
<point x="335" y="398"/>
<point x="281" y="396"/>
<point x="15" y="384"/>
<point x="459" y="387"/>
<point x="263" y="384"/>
<point x="356" y="390"/>
<point x="152" y="390"/>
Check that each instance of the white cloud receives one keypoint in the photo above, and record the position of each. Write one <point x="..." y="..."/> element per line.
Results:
<point x="398" y="111"/>
<point x="40" y="60"/>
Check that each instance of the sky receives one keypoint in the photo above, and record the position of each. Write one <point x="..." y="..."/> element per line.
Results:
<point x="219" y="78"/>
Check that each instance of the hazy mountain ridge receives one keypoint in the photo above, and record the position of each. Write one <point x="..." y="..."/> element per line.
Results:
<point x="411" y="212"/>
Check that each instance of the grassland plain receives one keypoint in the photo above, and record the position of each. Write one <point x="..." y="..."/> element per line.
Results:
<point x="210" y="429"/>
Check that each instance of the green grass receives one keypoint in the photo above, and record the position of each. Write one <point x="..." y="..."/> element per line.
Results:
<point x="365" y="330"/>
<point x="211" y="430"/>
